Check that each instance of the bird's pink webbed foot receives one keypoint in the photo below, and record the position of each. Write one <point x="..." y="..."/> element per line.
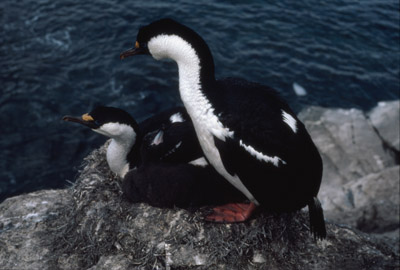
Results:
<point x="231" y="213"/>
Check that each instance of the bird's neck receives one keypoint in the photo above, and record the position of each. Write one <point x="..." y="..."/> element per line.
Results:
<point x="192" y="91"/>
<point x="117" y="154"/>
<point x="195" y="93"/>
<point x="195" y="64"/>
<point x="196" y="79"/>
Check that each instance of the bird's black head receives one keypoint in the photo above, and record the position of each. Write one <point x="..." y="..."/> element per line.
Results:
<point x="109" y="121"/>
<point x="167" y="38"/>
<point x="157" y="28"/>
<point x="104" y="115"/>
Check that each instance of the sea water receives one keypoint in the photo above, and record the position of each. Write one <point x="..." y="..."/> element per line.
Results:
<point x="62" y="57"/>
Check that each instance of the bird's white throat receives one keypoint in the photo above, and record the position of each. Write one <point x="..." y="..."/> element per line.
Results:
<point x="123" y="137"/>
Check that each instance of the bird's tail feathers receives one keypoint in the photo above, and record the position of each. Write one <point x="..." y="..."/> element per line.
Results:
<point x="317" y="221"/>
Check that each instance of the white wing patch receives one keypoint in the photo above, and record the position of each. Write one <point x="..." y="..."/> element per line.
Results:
<point x="173" y="149"/>
<point x="260" y="156"/>
<point x="159" y="138"/>
<point x="290" y="121"/>
<point x="176" y="118"/>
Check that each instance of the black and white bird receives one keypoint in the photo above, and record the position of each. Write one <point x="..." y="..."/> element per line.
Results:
<point x="160" y="159"/>
<point x="168" y="137"/>
<point x="246" y="131"/>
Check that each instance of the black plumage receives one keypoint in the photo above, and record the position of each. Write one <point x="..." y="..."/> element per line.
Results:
<point x="282" y="188"/>
<point x="182" y="185"/>
<point x="160" y="171"/>
<point x="252" y="131"/>
<point x="179" y="141"/>
<point x="174" y="133"/>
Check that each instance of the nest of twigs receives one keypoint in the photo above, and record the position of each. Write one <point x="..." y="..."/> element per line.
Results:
<point x="100" y="222"/>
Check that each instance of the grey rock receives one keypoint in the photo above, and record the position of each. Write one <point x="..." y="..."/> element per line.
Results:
<point x="389" y="238"/>
<point x="22" y="224"/>
<point x="349" y="146"/>
<point x="386" y="119"/>
<point x="369" y="204"/>
<point x="361" y="179"/>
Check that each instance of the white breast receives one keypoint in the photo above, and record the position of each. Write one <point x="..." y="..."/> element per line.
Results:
<point x="117" y="157"/>
<point x="123" y="138"/>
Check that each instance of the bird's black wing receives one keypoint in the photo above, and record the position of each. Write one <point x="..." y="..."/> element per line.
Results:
<point x="183" y="185"/>
<point x="263" y="146"/>
<point x="169" y="141"/>
<point x="156" y="121"/>
<point x="255" y="115"/>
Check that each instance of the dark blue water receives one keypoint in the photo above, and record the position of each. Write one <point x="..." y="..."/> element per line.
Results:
<point x="62" y="57"/>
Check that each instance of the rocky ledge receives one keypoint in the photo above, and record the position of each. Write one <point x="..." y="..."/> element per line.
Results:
<point x="90" y="225"/>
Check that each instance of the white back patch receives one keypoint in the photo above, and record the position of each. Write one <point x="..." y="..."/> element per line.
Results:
<point x="290" y="121"/>
<point x="176" y="118"/>
<point x="260" y="156"/>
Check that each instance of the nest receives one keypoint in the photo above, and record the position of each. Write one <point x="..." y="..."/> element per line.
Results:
<point x="100" y="222"/>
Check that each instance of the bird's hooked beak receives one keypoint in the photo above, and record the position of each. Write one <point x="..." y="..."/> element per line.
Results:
<point x="85" y="120"/>
<point x="134" y="51"/>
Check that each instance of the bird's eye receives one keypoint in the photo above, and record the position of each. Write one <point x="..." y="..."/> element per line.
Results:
<point x="140" y="45"/>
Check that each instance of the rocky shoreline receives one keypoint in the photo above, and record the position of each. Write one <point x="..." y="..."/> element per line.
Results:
<point x="90" y="226"/>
